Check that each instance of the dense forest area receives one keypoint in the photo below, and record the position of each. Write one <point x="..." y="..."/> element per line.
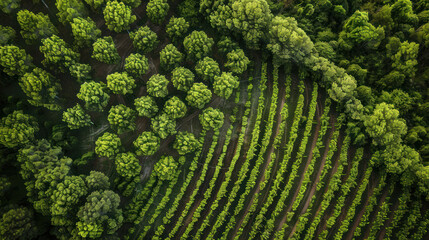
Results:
<point x="214" y="119"/>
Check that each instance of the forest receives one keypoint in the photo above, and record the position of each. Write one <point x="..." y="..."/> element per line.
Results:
<point x="214" y="119"/>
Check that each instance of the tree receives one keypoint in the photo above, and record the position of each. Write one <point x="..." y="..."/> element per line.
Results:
<point x="165" y="168"/>
<point x="207" y="68"/>
<point x="402" y="12"/>
<point x="237" y="61"/>
<point x="42" y="88"/>
<point x="35" y="26"/>
<point x="226" y="45"/>
<point x="18" y="223"/>
<point x="157" y="86"/>
<point x="146" y="106"/>
<point x="81" y="71"/>
<point x="17" y="129"/>
<point x="403" y="55"/>
<point x="100" y="214"/>
<point x="170" y="57"/>
<point x="136" y="64"/>
<point x="118" y="16"/>
<point x="85" y="32"/>
<point x="14" y="60"/>
<point x="225" y="84"/>
<point x="7" y="35"/>
<point x="144" y="39"/>
<point x="185" y="143"/>
<point x="7" y="6"/>
<point x="132" y="3"/>
<point x="175" y="108"/>
<point x="157" y="10"/>
<point x="120" y="83"/>
<point x="384" y="125"/>
<point x="95" y="4"/>
<point x="198" y="45"/>
<point x="199" y="95"/>
<point x="122" y="118"/>
<point x="105" y="51"/>
<point x="325" y="50"/>
<point x="76" y="117"/>
<point x="182" y="78"/>
<point x="163" y="125"/>
<point x="70" y="9"/>
<point x="177" y="28"/>
<point x="97" y="181"/>
<point x="211" y="118"/>
<point x="108" y="145"/>
<point x="401" y="100"/>
<point x="146" y="144"/>
<point x="127" y="165"/>
<point x="57" y="53"/>
<point x="94" y="95"/>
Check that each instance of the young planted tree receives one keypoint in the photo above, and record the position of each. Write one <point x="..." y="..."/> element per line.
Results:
<point x="127" y="165"/>
<point x="84" y="31"/>
<point x="144" y="39"/>
<point x="76" y="117"/>
<point x="81" y="71"/>
<point x="165" y="168"/>
<point x="163" y="125"/>
<point x="108" y="145"/>
<point x="118" y="16"/>
<point x="69" y="9"/>
<point x="177" y="28"/>
<point x="136" y="64"/>
<point x="146" y="106"/>
<point x="157" y="10"/>
<point x="122" y="118"/>
<point x="147" y="144"/>
<point x="182" y="78"/>
<point x="57" y="54"/>
<point x="199" y="95"/>
<point x="157" y="86"/>
<point x="211" y="118"/>
<point x="104" y="51"/>
<point x="120" y="83"/>
<point x="7" y="35"/>
<point x="14" y="61"/>
<point x="170" y="57"/>
<point x="35" y="26"/>
<point x="185" y="143"/>
<point x="17" y="129"/>
<point x="94" y="95"/>
<point x="237" y="61"/>
<point x="224" y="85"/>
<point x="207" y="68"/>
<point x="198" y="45"/>
<point x="175" y="108"/>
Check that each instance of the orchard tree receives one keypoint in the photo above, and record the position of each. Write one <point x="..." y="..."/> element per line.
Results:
<point x="94" y="95"/>
<point x="207" y="68"/>
<point x="81" y="72"/>
<point x="225" y="84"/>
<point x="127" y="165"/>
<point x="146" y="144"/>
<point x="14" y="61"/>
<point x="120" y="83"/>
<point x="18" y="223"/>
<point x="57" y="53"/>
<point x="136" y="64"/>
<point x="76" y="117"/>
<point x="237" y="61"/>
<point x="7" y="35"/>
<point x="170" y="57"/>
<point x="163" y="125"/>
<point x="198" y="45"/>
<point x="157" y="86"/>
<point x="175" y="108"/>
<point x="70" y="9"/>
<point x="211" y="118"/>
<point x="144" y="39"/>
<point x="118" y="16"/>
<point x="35" y="26"/>
<point x="146" y="106"/>
<point x="97" y="181"/>
<point x="85" y="32"/>
<point x="157" y="10"/>
<point x="185" y="143"/>
<point x="108" y="145"/>
<point x="122" y="118"/>
<point x="182" y="78"/>
<point x="17" y="129"/>
<point x="199" y="95"/>
<point x="165" y="168"/>
<point x="177" y="28"/>
<point x="104" y="50"/>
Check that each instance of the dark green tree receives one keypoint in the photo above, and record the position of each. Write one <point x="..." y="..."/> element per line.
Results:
<point x="18" y="223"/>
<point x="120" y="83"/>
<point x="163" y="125"/>
<point x="118" y="16"/>
<point x="144" y="39"/>
<point x="157" y="86"/>
<point x="182" y="78"/>
<point x="207" y="68"/>
<point x="105" y="51"/>
<point x="211" y="118"/>
<point x="136" y="64"/>
<point x="146" y="144"/>
<point x="94" y="95"/>
<point x="170" y="57"/>
<point x="198" y="45"/>
<point x="199" y="95"/>
<point x="402" y="12"/>
<point x="175" y="107"/>
<point x="226" y="45"/>
<point x="35" y="26"/>
<point x="177" y="28"/>
<point x="69" y="9"/>
<point x="185" y="143"/>
<point x="7" y="6"/>
<point x="95" y="4"/>
<point x="108" y="145"/>
<point x="76" y="117"/>
<point x="17" y="129"/>
<point x="146" y="106"/>
<point x="157" y="10"/>
<point x="237" y="61"/>
<point x="225" y="84"/>
<point x="14" y="60"/>
<point x="165" y="168"/>
<point x="122" y="118"/>
<point x="85" y="32"/>
<point x="97" y="181"/>
<point x="7" y="35"/>
<point x="57" y="54"/>
<point x="81" y="72"/>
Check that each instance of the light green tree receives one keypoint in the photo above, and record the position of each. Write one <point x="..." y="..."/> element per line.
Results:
<point x="81" y="72"/>
<point x="157" y="86"/>
<point x="170" y="57"/>
<point x="165" y="168"/>
<point x="144" y="39"/>
<point x="120" y="83"/>
<point x="146" y="106"/>
<point x="146" y="144"/>
<point x="69" y="9"/>
<point x="35" y="26"/>
<point x="157" y="10"/>
<point x="207" y="68"/>
<point x="57" y="53"/>
<point x="118" y="16"/>
<point x="14" y="60"/>
<point x="198" y="45"/>
<point x="108" y="145"/>
<point x="237" y="61"/>
<point x="175" y="107"/>
<point x="177" y="28"/>
<point x="136" y="64"/>
<point x="104" y="50"/>
<point x="185" y="143"/>
<point x="94" y="95"/>
<point x="84" y="31"/>
<point x="225" y="84"/>
<point x="76" y="117"/>
<point x="17" y="129"/>
<point x="127" y="165"/>
<point x="211" y="118"/>
<point x="122" y="118"/>
<point x="199" y="95"/>
<point x="182" y="78"/>
<point x="95" y="4"/>
<point x="163" y="125"/>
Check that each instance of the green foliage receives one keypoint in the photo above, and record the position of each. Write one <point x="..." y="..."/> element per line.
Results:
<point x="157" y="86"/>
<point x="170" y="57"/>
<point x="403" y="56"/>
<point x="401" y="100"/>
<point x="69" y="9"/>
<point x="144" y="39"/>
<point x="237" y="61"/>
<point x="14" y="60"/>
<point x="188" y="9"/>
<point x="105" y="51"/>
<point x="325" y="50"/>
<point x="81" y="71"/>
<point x="57" y="53"/>
<point x="182" y="78"/>
<point x="94" y="95"/>
<point x="108" y="145"/>
<point x="7" y="35"/>
<point x="7" y="6"/>
<point x="421" y="35"/>
<point x="127" y="165"/>
<point x="97" y="181"/>
<point x="163" y="125"/>
<point x="225" y="84"/>
<point x="146" y="144"/>
<point x="157" y="10"/>
<point x="165" y="168"/>
<point x="226" y="45"/>
<point x="18" y="223"/>
<point x="120" y="83"/>
<point x="208" y="69"/>
<point x="17" y="129"/>
<point x="118" y="16"/>
<point x="198" y="45"/>
<point x="175" y="108"/>
<point x="132" y="3"/>
<point x="211" y="118"/>
<point x="122" y="118"/>
<point x="185" y="143"/>
<point x="146" y="106"/>
<point x="85" y="32"/>
<point x="398" y="159"/>
<point x="95" y="3"/>
<point x="402" y="12"/>
<point x="199" y="95"/>
<point x="76" y="117"/>
<point x="35" y="26"/>
<point x="136" y="64"/>
<point x="177" y="28"/>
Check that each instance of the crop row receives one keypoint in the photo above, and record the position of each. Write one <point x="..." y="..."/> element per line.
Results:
<point x="132" y="210"/>
<point x="400" y="212"/>
<point x="381" y="215"/>
<point x="412" y="220"/>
